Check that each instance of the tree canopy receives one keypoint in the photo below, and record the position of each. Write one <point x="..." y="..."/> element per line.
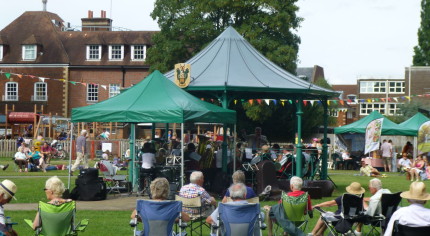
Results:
<point x="422" y="50"/>
<point x="187" y="26"/>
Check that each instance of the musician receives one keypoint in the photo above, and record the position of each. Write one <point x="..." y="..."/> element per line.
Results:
<point x="147" y="156"/>
<point x="191" y="157"/>
<point x="256" y="140"/>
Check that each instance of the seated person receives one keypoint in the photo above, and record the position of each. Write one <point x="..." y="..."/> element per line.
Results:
<point x="275" y="152"/>
<point x="296" y="184"/>
<point x="287" y="152"/>
<point x="21" y="160"/>
<point x="417" y="167"/>
<point x="147" y="156"/>
<point x="414" y="215"/>
<point x="347" y="159"/>
<point x="404" y="165"/>
<point x="239" y="177"/>
<point x="195" y="189"/>
<point x="265" y="153"/>
<point x="54" y="189"/>
<point x="192" y="158"/>
<point x="368" y="170"/>
<point x="46" y="151"/>
<point x="106" y="155"/>
<point x="36" y="158"/>
<point x="320" y="227"/>
<point x="160" y="191"/>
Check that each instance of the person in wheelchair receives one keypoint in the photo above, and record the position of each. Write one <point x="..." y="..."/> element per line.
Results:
<point x="354" y="188"/>
<point x="414" y="215"/>
<point x="160" y="191"/>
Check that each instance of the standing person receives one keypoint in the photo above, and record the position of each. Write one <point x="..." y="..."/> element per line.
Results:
<point x="387" y="153"/>
<point x="7" y="192"/>
<point x="393" y="156"/>
<point x="414" y="215"/>
<point x="81" y="151"/>
<point x="409" y="149"/>
<point x="256" y="140"/>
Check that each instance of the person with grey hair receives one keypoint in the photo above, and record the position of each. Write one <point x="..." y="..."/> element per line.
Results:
<point x="81" y="152"/>
<point x="414" y="215"/>
<point x="239" y="177"/>
<point x="195" y="189"/>
<point x="7" y="192"/>
<point x="160" y="189"/>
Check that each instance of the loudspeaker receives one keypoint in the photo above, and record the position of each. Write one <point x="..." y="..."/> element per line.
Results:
<point x="89" y="174"/>
<point x="93" y="191"/>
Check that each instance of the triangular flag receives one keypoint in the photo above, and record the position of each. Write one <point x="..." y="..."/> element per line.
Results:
<point x="202" y="99"/>
<point x="312" y="102"/>
<point x="376" y="100"/>
<point x="389" y="99"/>
<point x="409" y="98"/>
<point x="259" y="101"/>
<point x="305" y="102"/>
<point x="84" y="84"/>
<point x="7" y="75"/>
<point x="383" y="99"/>
<point x="42" y="79"/>
<point x="291" y="101"/>
<point x="235" y="101"/>
<point x="369" y="100"/>
<point x="19" y="75"/>
<point x="73" y="82"/>
<point x="62" y="80"/>
<point x="341" y="102"/>
<point x="328" y="102"/>
<point x="31" y="76"/>
<point x="395" y="99"/>
<point x="335" y="102"/>
<point x="275" y="102"/>
<point x="251" y="101"/>
<point x="103" y="86"/>
<point x="267" y="101"/>
<point x="283" y="103"/>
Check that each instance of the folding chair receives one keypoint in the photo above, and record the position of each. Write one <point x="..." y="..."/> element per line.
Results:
<point x="110" y="177"/>
<point x="296" y="209"/>
<point x="250" y="200"/>
<point x="197" y="219"/>
<point x="403" y="230"/>
<point x="389" y="204"/>
<point x="58" y="220"/>
<point x="352" y="211"/>
<point x="158" y="217"/>
<point x="239" y="220"/>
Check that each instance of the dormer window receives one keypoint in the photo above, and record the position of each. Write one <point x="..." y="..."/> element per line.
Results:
<point x="1" y="52"/>
<point x="29" y="52"/>
<point x="94" y="52"/>
<point x="116" y="52"/>
<point x="138" y="52"/>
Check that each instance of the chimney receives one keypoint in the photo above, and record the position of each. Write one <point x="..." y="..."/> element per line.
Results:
<point x="44" y="4"/>
<point x="96" y="23"/>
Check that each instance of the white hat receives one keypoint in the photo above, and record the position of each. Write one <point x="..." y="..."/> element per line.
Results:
<point x="9" y="187"/>
<point x="417" y="191"/>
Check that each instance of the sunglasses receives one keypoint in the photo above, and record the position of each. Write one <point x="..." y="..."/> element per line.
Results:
<point x="45" y="189"/>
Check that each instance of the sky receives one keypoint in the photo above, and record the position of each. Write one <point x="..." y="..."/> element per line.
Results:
<point x="350" y="39"/>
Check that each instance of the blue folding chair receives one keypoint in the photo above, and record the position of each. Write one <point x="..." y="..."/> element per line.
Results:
<point x="239" y="220"/>
<point x="158" y="217"/>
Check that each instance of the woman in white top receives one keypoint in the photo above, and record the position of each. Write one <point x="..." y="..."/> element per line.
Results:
<point x="21" y="160"/>
<point x="147" y="156"/>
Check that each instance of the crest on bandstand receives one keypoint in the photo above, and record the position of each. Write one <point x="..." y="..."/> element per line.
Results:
<point x="182" y="75"/>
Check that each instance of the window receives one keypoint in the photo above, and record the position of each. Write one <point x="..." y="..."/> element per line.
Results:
<point x="40" y="91"/>
<point x="372" y="87"/>
<point x="11" y="91"/>
<point x="94" y="52"/>
<point x="393" y="110"/>
<point x="367" y="108"/>
<point x="114" y="89"/>
<point x="29" y="52"/>
<point x="138" y="52"/>
<point x="92" y="93"/>
<point x="333" y="113"/>
<point x="1" y="52"/>
<point x="116" y="52"/>
<point x="397" y="87"/>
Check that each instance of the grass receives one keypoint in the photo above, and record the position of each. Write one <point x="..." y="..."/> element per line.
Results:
<point x="30" y="190"/>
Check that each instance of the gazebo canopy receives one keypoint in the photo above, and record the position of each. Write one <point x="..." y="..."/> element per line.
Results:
<point x="388" y="127"/>
<point x="415" y="122"/>
<point x="155" y="99"/>
<point x="230" y="64"/>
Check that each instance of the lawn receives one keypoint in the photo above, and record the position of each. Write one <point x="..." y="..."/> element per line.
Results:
<point x="30" y="190"/>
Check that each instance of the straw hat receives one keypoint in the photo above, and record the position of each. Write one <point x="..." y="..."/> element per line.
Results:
<point x="9" y="187"/>
<point x="417" y="191"/>
<point x="355" y="188"/>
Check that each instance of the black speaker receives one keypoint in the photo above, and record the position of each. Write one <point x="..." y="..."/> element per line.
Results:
<point x="89" y="174"/>
<point x="92" y="191"/>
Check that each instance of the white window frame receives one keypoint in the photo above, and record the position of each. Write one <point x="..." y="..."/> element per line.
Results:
<point x="373" y="86"/>
<point x="29" y="48"/>
<point x="114" y="89"/>
<point x="367" y="108"/>
<point x="8" y="93"/>
<point x="111" y="55"/>
<point x="1" y="52"/>
<point x="333" y="113"/>
<point x="134" y="54"/>
<point x="92" y="93"/>
<point x="393" y="109"/>
<point x="397" y="85"/>
<point x="90" y="50"/>
<point x="37" y="97"/>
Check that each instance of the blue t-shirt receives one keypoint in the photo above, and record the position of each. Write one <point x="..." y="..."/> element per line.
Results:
<point x="249" y="193"/>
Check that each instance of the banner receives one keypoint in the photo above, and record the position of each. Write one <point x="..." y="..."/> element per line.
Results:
<point x="373" y="135"/>
<point x="424" y="138"/>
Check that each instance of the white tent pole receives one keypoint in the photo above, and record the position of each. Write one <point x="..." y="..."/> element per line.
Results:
<point x="415" y="147"/>
<point x="182" y="154"/>
<point x="234" y="148"/>
<point x="70" y="156"/>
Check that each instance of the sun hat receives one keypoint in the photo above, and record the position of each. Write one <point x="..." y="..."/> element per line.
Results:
<point x="417" y="191"/>
<point x="355" y="188"/>
<point x="9" y="187"/>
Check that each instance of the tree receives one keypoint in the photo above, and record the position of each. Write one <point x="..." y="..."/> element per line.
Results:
<point x="187" y="26"/>
<point x="422" y="50"/>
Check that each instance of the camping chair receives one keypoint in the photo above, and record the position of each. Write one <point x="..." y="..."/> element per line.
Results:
<point x="250" y="200"/>
<point x="295" y="209"/>
<point x="197" y="220"/>
<point x="158" y="217"/>
<point x="239" y="220"/>
<point x="389" y="204"/>
<point x="110" y="177"/>
<point x="403" y="230"/>
<point x="352" y="211"/>
<point x="58" y="220"/>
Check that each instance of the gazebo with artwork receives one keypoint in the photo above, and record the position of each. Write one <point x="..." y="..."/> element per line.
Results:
<point x="230" y="68"/>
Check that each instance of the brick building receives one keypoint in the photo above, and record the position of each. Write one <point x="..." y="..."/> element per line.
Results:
<point x="61" y="68"/>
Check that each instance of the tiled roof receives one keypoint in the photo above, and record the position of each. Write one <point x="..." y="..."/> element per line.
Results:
<point x="346" y="88"/>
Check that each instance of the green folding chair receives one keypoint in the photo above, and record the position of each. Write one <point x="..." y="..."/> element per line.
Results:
<point x="58" y="220"/>
<point x="296" y="209"/>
